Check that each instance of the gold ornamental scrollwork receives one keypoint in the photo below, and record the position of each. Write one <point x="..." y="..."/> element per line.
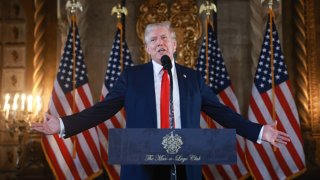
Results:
<point x="184" y="18"/>
<point x="152" y="11"/>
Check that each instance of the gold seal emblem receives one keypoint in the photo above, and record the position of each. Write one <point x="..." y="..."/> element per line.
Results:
<point x="172" y="143"/>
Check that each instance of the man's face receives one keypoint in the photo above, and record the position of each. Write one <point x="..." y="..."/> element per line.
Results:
<point x="160" y="43"/>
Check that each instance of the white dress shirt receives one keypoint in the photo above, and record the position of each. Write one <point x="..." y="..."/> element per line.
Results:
<point x="157" y="74"/>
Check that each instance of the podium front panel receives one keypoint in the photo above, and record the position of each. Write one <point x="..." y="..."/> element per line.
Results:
<point x="172" y="146"/>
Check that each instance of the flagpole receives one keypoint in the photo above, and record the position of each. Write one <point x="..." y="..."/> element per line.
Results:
<point x="119" y="25"/>
<point x="119" y="10"/>
<point x="73" y="7"/>
<point x="207" y="7"/>
<point x="207" y="55"/>
<point x="73" y="21"/>
<point x="271" y="15"/>
<point x="272" y="62"/>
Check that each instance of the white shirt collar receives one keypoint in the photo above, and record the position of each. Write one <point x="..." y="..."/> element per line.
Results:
<point x="157" y="68"/>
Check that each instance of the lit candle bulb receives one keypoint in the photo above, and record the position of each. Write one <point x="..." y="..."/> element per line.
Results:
<point x="6" y="102"/>
<point x="6" y="107"/>
<point x="7" y="111"/>
<point x="15" y="102"/>
<point x="38" y="104"/>
<point x="29" y="103"/>
<point x="23" y="101"/>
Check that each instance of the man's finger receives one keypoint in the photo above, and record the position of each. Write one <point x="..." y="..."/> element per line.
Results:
<point x="36" y="125"/>
<point x="284" y="138"/>
<point x="281" y="141"/>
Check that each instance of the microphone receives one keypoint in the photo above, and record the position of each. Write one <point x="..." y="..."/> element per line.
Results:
<point x="166" y="62"/>
<point x="167" y="65"/>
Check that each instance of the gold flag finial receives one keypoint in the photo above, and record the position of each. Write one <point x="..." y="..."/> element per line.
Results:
<point x="270" y="3"/>
<point x="119" y="10"/>
<point x="208" y="7"/>
<point x="73" y="6"/>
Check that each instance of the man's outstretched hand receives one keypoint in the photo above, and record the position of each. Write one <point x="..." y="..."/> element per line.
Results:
<point x="51" y="125"/>
<point x="273" y="136"/>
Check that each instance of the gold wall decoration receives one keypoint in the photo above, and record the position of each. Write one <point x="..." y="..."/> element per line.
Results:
<point x="184" y="17"/>
<point x="313" y="72"/>
<point x="152" y="11"/>
<point x="302" y="64"/>
<point x="39" y="45"/>
<point x="307" y="81"/>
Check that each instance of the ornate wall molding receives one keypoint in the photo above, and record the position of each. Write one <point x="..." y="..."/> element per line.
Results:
<point x="302" y="64"/>
<point x="39" y="45"/>
<point x="307" y="81"/>
<point x="151" y="11"/>
<point x="184" y="17"/>
<point x="313" y="64"/>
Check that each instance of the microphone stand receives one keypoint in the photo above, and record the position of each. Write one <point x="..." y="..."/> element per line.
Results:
<point x="173" y="173"/>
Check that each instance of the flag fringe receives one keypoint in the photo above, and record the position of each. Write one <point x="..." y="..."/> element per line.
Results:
<point x="48" y="159"/>
<point x="299" y="173"/>
<point x="92" y="176"/>
<point x="105" y="165"/>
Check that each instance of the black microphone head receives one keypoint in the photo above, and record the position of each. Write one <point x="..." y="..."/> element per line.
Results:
<point x="166" y="62"/>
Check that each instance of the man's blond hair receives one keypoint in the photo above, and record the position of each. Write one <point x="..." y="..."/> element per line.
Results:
<point x="164" y="24"/>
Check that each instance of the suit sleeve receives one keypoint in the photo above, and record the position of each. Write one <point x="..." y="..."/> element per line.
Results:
<point x="99" y="112"/>
<point x="226" y="116"/>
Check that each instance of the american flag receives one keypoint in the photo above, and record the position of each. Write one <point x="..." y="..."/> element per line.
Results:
<point x="59" y="152"/>
<point x="288" y="160"/>
<point x="220" y="83"/>
<point x="117" y="121"/>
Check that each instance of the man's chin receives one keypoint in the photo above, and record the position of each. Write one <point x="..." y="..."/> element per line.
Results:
<point x="161" y="54"/>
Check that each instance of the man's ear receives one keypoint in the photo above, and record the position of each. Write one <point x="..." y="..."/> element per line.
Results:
<point x="147" y="48"/>
<point x="175" y="45"/>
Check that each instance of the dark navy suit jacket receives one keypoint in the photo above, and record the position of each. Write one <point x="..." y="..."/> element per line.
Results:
<point x="135" y="92"/>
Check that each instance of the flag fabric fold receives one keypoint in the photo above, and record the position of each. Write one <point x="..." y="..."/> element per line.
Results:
<point x="219" y="82"/>
<point x="119" y="57"/>
<point x="68" y="98"/>
<point x="264" y="161"/>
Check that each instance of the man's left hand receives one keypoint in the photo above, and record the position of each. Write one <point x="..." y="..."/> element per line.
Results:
<point x="273" y="136"/>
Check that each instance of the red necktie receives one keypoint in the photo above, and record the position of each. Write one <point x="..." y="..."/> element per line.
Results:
<point x="164" y="100"/>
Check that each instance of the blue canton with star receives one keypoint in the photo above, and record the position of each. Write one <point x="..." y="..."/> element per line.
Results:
<point x="114" y="67"/>
<point x="262" y="79"/>
<point x="65" y="71"/>
<point x="218" y="76"/>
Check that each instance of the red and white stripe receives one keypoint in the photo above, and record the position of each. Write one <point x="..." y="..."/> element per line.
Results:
<point x="236" y="171"/>
<point x="264" y="161"/>
<point x="59" y="151"/>
<point x="117" y="121"/>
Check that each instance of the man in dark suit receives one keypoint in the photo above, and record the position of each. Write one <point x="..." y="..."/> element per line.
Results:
<point x="138" y="91"/>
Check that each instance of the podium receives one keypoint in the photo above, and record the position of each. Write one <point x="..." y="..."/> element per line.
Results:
<point x="172" y="146"/>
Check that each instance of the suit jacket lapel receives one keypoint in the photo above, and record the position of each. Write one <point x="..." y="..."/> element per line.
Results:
<point x="182" y="81"/>
<point x="150" y="92"/>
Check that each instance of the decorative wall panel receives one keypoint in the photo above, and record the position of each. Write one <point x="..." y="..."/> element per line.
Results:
<point x="183" y="15"/>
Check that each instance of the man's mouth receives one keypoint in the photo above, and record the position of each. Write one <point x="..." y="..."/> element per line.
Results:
<point x="161" y="50"/>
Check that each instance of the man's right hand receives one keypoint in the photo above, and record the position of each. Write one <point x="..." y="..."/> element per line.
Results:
<point x="51" y="125"/>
